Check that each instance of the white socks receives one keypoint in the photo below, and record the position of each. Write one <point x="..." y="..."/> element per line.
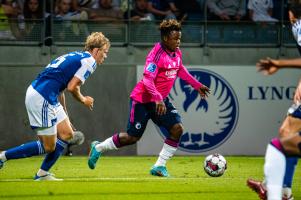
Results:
<point x="166" y="153"/>
<point x="106" y="145"/>
<point x="2" y="156"/>
<point x="274" y="170"/>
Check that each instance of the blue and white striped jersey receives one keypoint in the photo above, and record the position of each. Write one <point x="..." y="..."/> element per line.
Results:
<point x="56" y="76"/>
<point x="296" y="29"/>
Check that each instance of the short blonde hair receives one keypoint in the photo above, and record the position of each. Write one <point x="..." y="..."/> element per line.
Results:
<point x="96" y="40"/>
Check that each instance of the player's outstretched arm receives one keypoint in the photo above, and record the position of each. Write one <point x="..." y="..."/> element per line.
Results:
<point x="204" y="91"/>
<point x="74" y="88"/>
<point x="270" y="66"/>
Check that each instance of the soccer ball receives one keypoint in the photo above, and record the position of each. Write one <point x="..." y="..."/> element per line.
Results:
<point x="215" y="165"/>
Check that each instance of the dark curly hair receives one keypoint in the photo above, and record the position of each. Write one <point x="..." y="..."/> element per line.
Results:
<point x="295" y="8"/>
<point x="167" y="26"/>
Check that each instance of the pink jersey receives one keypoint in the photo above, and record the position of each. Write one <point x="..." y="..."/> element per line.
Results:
<point x="160" y="72"/>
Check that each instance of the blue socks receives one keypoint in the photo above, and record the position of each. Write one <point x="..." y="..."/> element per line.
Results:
<point x="291" y="163"/>
<point x="25" y="150"/>
<point x="52" y="157"/>
<point x="36" y="148"/>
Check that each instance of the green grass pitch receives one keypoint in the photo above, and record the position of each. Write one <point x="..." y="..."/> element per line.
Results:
<point x="128" y="178"/>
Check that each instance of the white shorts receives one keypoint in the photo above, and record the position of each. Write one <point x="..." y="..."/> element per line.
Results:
<point x="43" y="117"/>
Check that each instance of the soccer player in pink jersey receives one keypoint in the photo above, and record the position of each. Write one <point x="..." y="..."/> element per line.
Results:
<point x="149" y="100"/>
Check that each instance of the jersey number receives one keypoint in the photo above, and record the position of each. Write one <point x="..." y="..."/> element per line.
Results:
<point x="55" y="63"/>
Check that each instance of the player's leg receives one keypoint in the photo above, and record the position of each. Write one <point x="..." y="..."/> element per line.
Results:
<point x="171" y="121"/>
<point x="275" y="162"/>
<point x="138" y="119"/>
<point x="26" y="150"/>
<point x="274" y="169"/>
<point x="290" y="125"/>
<point x="36" y="107"/>
<point x="64" y="133"/>
<point x="169" y="148"/>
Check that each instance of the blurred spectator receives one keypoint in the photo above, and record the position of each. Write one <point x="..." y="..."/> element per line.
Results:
<point x="7" y="12"/>
<point x="139" y="12"/>
<point x="33" y="9"/>
<point x="73" y="6"/>
<point x="163" y="9"/>
<point x="70" y="18"/>
<point x="64" y="10"/>
<point x="261" y="10"/>
<point x="192" y="10"/>
<point x="34" y="21"/>
<point x="106" y="12"/>
<point x="116" y="4"/>
<point x="226" y="9"/>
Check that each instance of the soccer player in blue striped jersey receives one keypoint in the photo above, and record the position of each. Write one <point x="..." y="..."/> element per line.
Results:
<point x="45" y="103"/>
<point x="281" y="153"/>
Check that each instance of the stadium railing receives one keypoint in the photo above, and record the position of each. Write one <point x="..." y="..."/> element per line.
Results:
<point x="145" y="33"/>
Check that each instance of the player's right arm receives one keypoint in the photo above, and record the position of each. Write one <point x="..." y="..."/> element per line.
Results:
<point x="149" y="76"/>
<point x="74" y="88"/>
<point x="270" y="66"/>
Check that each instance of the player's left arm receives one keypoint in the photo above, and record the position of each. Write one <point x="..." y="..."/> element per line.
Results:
<point x="202" y="89"/>
<point x="74" y="88"/>
<point x="88" y="66"/>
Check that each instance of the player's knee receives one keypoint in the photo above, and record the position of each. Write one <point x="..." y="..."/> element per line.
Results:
<point x="291" y="145"/>
<point x="177" y="129"/>
<point x="283" y="131"/>
<point x="176" y="132"/>
<point x="49" y="148"/>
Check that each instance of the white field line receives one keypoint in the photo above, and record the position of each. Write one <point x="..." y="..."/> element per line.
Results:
<point x="117" y="179"/>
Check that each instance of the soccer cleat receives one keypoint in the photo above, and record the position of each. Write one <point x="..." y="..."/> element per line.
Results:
<point x="284" y="197"/>
<point x="287" y="194"/>
<point x="47" y="177"/>
<point x="159" y="171"/>
<point x="93" y="155"/>
<point x="257" y="187"/>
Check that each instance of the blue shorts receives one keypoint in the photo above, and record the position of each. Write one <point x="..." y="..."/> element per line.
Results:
<point x="295" y="111"/>
<point x="140" y="113"/>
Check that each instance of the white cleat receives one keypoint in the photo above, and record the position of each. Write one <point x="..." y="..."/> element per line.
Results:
<point x="47" y="177"/>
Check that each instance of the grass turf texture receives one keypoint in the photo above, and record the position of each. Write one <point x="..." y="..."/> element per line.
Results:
<point x="128" y="178"/>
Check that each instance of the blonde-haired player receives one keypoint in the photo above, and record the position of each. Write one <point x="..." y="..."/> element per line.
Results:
<point x="46" y="107"/>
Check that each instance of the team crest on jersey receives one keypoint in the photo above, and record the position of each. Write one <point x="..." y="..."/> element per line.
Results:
<point x="151" y="67"/>
<point x="138" y="125"/>
<point x="208" y="122"/>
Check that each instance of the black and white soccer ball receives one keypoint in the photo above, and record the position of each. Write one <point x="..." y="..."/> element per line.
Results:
<point x="215" y="165"/>
<point x="78" y="138"/>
